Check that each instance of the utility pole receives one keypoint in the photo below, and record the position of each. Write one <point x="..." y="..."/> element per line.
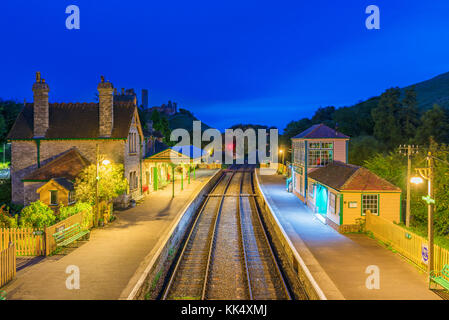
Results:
<point x="428" y="174"/>
<point x="430" y="208"/>
<point x="408" y="151"/>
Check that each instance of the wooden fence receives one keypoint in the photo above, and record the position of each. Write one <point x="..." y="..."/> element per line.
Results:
<point x="32" y="242"/>
<point x="7" y="265"/>
<point x="49" y="231"/>
<point x="27" y="241"/>
<point x="407" y="243"/>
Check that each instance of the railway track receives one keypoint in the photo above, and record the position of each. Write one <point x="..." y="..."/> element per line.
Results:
<point x="227" y="254"/>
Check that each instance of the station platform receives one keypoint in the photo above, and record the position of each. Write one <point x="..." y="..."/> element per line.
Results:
<point x="109" y="261"/>
<point x="339" y="262"/>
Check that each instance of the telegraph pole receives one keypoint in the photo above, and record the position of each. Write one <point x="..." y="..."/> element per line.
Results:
<point x="430" y="209"/>
<point x="428" y="174"/>
<point x="408" y="151"/>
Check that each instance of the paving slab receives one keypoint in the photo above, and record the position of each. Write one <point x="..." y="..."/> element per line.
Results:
<point x="344" y="258"/>
<point x="108" y="261"/>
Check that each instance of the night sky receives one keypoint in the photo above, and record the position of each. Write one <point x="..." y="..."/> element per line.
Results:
<point x="266" y="62"/>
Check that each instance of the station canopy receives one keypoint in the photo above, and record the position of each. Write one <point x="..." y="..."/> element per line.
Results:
<point x="178" y="155"/>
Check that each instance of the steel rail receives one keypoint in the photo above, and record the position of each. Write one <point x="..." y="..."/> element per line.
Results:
<point x="239" y="210"/>
<point x="178" y="262"/>
<point x="212" y="239"/>
<point x="278" y="269"/>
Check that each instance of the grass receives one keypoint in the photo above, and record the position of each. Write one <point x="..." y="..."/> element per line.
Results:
<point x="187" y="298"/>
<point x="153" y="285"/>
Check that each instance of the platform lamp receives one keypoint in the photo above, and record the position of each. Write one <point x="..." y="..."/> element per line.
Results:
<point x="104" y="162"/>
<point x="428" y="174"/>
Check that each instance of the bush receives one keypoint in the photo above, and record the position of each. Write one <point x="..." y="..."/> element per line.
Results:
<point x="6" y="220"/>
<point x="37" y="215"/>
<point x="66" y="212"/>
<point x="5" y="191"/>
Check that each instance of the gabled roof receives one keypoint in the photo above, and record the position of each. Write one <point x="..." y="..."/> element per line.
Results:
<point x="73" y="121"/>
<point x="169" y="156"/>
<point x="62" y="182"/>
<point x="347" y="177"/>
<point x="158" y="147"/>
<point x="67" y="165"/>
<point x="320" y="131"/>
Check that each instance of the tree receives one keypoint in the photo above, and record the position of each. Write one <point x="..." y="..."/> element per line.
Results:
<point x="409" y="115"/>
<point x="9" y="110"/>
<point x="111" y="183"/>
<point x="434" y="123"/>
<point x="161" y="124"/>
<point x="324" y="115"/>
<point x="362" y="148"/>
<point x="386" y="116"/>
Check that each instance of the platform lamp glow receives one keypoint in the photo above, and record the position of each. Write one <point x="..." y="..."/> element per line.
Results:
<point x="104" y="162"/>
<point x="427" y="174"/>
<point x="281" y="151"/>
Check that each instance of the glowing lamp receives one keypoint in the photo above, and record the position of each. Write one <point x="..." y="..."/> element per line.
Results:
<point x="416" y="180"/>
<point x="106" y="162"/>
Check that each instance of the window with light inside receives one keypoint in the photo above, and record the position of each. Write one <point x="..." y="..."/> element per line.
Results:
<point x="320" y="154"/>
<point x="370" y="202"/>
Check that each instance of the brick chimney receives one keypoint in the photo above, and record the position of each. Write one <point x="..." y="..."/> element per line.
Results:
<point x="40" y="93"/>
<point x="106" y="111"/>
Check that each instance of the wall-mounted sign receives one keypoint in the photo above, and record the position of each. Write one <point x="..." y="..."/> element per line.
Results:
<point x="38" y="232"/>
<point x="425" y="253"/>
<point x="352" y="204"/>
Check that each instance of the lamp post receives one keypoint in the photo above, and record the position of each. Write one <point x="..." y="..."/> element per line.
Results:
<point x="105" y="162"/>
<point x="408" y="151"/>
<point x="428" y="174"/>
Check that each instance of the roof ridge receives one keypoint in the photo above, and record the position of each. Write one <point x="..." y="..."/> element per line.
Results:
<point x="314" y="129"/>
<point x="351" y="177"/>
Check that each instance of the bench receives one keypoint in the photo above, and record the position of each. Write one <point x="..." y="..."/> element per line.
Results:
<point x="441" y="278"/>
<point x="69" y="235"/>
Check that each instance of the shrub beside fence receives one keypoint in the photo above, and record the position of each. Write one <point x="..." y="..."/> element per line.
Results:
<point x="27" y="241"/>
<point x="405" y="242"/>
<point x="33" y="242"/>
<point x="7" y="265"/>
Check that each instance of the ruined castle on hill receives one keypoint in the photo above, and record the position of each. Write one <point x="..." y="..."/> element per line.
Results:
<point x="129" y="95"/>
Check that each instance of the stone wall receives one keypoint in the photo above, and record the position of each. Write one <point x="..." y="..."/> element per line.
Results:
<point x="24" y="159"/>
<point x="133" y="162"/>
<point x="29" y="191"/>
<point x="23" y="162"/>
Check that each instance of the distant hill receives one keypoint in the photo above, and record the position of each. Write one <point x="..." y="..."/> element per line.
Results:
<point x="435" y="90"/>
<point x="184" y="119"/>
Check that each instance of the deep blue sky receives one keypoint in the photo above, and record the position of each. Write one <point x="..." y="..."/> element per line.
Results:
<point x="266" y="62"/>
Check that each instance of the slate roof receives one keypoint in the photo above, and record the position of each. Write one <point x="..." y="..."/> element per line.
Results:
<point x="320" y="131"/>
<point x="349" y="177"/>
<point x="73" y="121"/>
<point x="67" y="165"/>
<point x="65" y="183"/>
